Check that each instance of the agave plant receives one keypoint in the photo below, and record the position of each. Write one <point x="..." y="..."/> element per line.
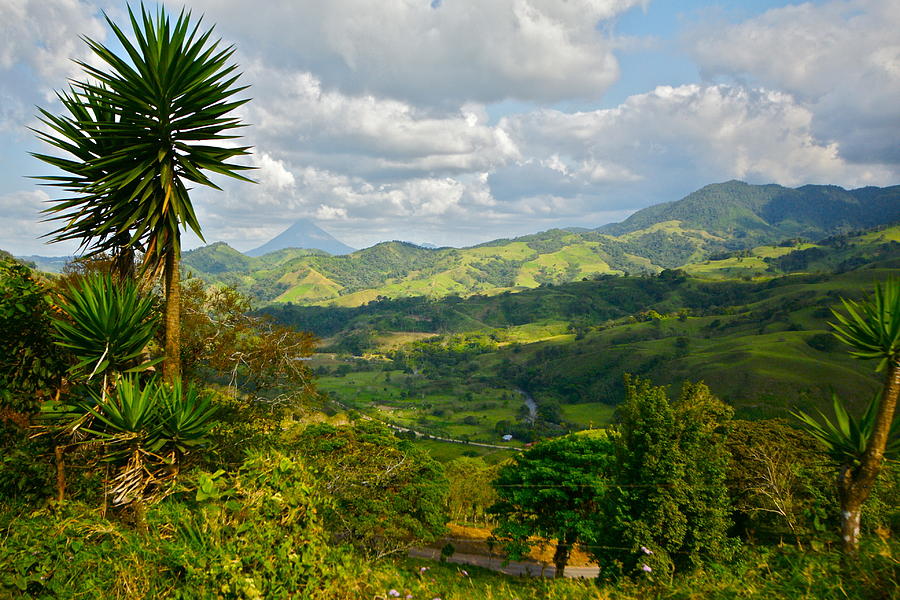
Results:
<point x="872" y="329"/>
<point x="145" y="125"/>
<point x="186" y="416"/>
<point x="107" y="325"/>
<point x="847" y="438"/>
<point x="147" y="429"/>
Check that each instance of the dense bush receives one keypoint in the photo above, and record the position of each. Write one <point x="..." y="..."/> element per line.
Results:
<point x="388" y="494"/>
<point x="256" y="534"/>
<point x="31" y="365"/>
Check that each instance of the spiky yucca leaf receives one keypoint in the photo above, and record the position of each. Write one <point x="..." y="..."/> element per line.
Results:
<point x="847" y="438"/>
<point x="872" y="328"/>
<point x="128" y="417"/>
<point x="108" y="327"/>
<point x="187" y="416"/>
<point x="140" y="129"/>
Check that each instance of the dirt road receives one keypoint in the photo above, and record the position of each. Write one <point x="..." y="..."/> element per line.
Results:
<point x="527" y="568"/>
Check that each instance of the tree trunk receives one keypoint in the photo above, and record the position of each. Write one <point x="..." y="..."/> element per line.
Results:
<point x="855" y="485"/>
<point x="851" y="500"/>
<point x="561" y="557"/>
<point x="59" y="453"/>
<point x="172" y="364"/>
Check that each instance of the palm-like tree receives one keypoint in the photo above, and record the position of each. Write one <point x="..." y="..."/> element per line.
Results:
<point x="872" y="330"/>
<point x="138" y="131"/>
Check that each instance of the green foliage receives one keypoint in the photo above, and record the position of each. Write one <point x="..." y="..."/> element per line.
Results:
<point x="31" y="366"/>
<point x="25" y="471"/>
<point x="668" y="507"/>
<point x="388" y="494"/>
<point x="553" y="492"/>
<point x="470" y="494"/>
<point x="847" y="438"/>
<point x="256" y="535"/>
<point x="872" y="328"/>
<point x="107" y="325"/>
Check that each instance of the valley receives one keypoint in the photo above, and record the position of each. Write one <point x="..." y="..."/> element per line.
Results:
<point x="732" y="285"/>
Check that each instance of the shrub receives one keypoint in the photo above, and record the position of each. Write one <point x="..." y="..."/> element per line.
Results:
<point x="31" y="365"/>
<point x="254" y="535"/>
<point x="388" y="494"/>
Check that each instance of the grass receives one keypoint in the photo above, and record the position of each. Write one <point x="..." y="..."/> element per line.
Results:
<point x="425" y="404"/>
<point x="758" y="574"/>
<point x="447" y="451"/>
<point x="591" y="414"/>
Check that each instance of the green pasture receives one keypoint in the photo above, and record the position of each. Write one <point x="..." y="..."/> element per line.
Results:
<point x="588" y="414"/>
<point x="437" y="406"/>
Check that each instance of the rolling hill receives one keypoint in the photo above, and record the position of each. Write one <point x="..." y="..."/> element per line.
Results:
<point x="707" y="225"/>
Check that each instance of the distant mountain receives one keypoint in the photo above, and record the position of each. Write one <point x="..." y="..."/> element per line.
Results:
<point x="303" y="234"/>
<point x="47" y="264"/>
<point x="745" y="215"/>
<point x="218" y="258"/>
<point x="711" y="224"/>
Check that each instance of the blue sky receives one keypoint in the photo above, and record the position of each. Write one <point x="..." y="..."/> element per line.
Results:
<point x="467" y="121"/>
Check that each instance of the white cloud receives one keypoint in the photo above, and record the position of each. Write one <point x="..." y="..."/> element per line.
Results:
<point x="374" y="116"/>
<point x="272" y="174"/>
<point x="543" y="50"/>
<point x="295" y="118"/>
<point x="690" y="133"/>
<point x="22" y="225"/>
<point x="330" y="213"/>
<point x="46" y="35"/>
<point x="840" y="59"/>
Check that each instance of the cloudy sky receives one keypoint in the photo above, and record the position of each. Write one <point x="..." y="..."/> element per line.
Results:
<point x="459" y="121"/>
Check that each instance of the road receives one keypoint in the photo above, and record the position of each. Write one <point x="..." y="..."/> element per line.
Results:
<point x="517" y="568"/>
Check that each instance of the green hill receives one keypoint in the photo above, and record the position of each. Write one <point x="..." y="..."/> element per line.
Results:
<point x="740" y="213"/>
<point x="705" y="226"/>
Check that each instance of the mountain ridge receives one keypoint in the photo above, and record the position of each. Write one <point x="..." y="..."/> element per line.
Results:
<point x="719" y="218"/>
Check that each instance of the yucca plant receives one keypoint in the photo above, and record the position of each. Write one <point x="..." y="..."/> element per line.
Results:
<point x="846" y="438"/>
<point x="141" y="129"/>
<point x="872" y="329"/>
<point x="147" y="430"/>
<point x="186" y="417"/>
<point x="107" y="325"/>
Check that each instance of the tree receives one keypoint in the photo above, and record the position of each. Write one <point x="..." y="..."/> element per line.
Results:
<point x="668" y="506"/>
<point x="553" y="491"/>
<point x="471" y="494"/>
<point x="223" y="340"/>
<point x="872" y="329"/>
<point x="776" y="480"/>
<point x="138" y="130"/>
<point x="387" y="493"/>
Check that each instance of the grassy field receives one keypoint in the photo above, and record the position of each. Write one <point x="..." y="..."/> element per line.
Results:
<point x="762" y="347"/>
<point x="449" y="407"/>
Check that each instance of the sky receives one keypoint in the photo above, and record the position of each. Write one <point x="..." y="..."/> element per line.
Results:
<point x="454" y="122"/>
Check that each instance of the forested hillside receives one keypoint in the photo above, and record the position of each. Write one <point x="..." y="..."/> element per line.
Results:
<point x="709" y="224"/>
